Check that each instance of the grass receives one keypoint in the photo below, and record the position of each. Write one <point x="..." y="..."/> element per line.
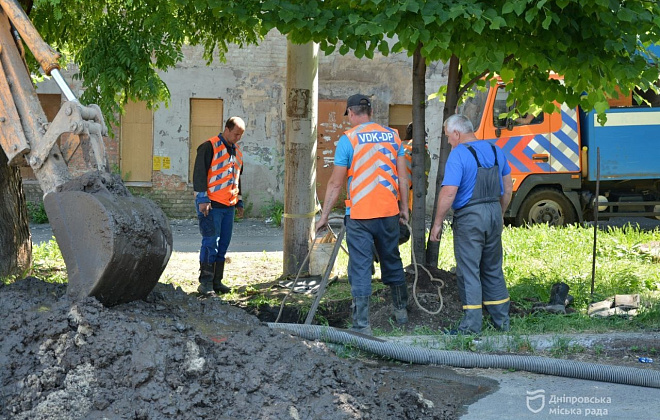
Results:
<point x="274" y="211"/>
<point x="37" y="212"/>
<point x="48" y="263"/>
<point x="539" y="256"/>
<point x="534" y="259"/>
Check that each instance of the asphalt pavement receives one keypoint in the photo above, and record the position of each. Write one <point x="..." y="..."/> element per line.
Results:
<point x="249" y="235"/>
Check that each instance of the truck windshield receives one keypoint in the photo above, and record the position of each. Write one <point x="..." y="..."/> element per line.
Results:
<point x="503" y="114"/>
<point x="473" y="107"/>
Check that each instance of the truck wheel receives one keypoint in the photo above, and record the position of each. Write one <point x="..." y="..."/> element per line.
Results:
<point x="546" y="205"/>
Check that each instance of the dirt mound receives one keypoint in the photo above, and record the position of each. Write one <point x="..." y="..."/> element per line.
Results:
<point x="428" y="297"/>
<point x="176" y="356"/>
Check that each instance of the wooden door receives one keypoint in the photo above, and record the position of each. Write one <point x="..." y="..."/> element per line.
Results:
<point x="137" y="142"/>
<point x="400" y="117"/>
<point x="331" y="125"/>
<point x="205" y="122"/>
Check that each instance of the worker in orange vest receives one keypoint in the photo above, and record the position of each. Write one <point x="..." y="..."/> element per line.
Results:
<point x="216" y="181"/>
<point x="371" y="157"/>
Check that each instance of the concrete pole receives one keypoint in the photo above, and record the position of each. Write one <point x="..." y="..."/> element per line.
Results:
<point x="300" y="154"/>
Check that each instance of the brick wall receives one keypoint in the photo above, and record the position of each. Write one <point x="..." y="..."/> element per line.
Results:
<point x="174" y="197"/>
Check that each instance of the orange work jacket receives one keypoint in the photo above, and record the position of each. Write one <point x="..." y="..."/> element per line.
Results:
<point x="224" y="173"/>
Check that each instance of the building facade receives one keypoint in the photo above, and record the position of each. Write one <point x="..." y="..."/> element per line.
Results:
<point x="154" y="150"/>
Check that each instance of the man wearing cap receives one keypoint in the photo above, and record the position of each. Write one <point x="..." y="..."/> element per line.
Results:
<point x="371" y="156"/>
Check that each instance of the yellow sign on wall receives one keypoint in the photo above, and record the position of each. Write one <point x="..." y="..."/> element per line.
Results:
<point x="161" y="162"/>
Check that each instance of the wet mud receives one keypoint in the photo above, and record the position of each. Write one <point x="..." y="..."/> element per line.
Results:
<point x="175" y="355"/>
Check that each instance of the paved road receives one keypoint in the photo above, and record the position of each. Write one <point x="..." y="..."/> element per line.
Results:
<point x="250" y="235"/>
<point x="555" y="397"/>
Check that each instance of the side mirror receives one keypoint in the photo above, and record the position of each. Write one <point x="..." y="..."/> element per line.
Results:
<point x="498" y="132"/>
<point x="509" y="124"/>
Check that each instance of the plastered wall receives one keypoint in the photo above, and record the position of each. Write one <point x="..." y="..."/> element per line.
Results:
<point x="252" y="85"/>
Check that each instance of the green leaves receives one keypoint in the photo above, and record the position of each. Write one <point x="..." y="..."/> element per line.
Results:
<point x="507" y="75"/>
<point x="122" y="45"/>
<point x="601" y="106"/>
<point x="625" y="15"/>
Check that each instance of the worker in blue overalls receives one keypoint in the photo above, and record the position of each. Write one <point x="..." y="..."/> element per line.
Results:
<point x="477" y="185"/>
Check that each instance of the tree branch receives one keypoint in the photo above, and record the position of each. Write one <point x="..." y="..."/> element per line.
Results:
<point x="474" y="80"/>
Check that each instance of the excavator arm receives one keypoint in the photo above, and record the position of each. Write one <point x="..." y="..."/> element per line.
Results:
<point x="115" y="246"/>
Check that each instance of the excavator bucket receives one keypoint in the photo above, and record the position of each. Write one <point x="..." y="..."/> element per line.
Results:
<point x="115" y="245"/>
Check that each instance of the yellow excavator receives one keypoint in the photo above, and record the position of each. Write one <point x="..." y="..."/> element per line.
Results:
<point x="115" y="246"/>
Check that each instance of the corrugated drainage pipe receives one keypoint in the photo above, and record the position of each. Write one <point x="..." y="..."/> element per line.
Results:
<point x="536" y="364"/>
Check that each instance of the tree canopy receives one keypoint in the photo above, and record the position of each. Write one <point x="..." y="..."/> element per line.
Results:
<point x="120" y="45"/>
<point x="596" y="45"/>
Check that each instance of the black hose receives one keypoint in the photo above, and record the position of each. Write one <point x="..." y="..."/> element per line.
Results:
<point x="535" y="364"/>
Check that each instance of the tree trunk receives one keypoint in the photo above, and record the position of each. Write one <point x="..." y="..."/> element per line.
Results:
<point x="300" y="153"/>
<point x="15" y="241"/>
<point x="451" y="101"/>
<point x="418" y="153"/>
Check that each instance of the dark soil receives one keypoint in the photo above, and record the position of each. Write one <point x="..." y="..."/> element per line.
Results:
<point x="178" y="356"/>
<point x="430" y="295"/>
<point x="439" y="293"/>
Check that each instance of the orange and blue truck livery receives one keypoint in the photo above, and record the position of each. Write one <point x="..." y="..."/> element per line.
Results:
<point x="565" y="163"/>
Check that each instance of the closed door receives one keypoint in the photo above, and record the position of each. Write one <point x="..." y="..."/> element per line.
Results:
<point x="205" y="122"/>
<point x="331" y="125"/>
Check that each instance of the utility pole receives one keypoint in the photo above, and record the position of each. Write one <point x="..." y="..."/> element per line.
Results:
<point x="300" y="153"/>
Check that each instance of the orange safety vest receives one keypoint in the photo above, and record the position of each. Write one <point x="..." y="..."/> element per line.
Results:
<point x="374" y="187"/>
<point x="224" y="173"/>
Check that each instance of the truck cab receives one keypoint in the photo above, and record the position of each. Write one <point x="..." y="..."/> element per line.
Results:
<point x="562" y="161"/>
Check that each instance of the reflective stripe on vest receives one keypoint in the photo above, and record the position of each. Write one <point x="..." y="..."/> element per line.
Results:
<point x="374" y="187"/>
<point x="224" y="174"/>
<point x="408" y="146"/>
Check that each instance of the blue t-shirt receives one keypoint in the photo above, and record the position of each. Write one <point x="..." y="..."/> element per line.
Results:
<point x="344" y="157"/>
<point x="461" y="169"/>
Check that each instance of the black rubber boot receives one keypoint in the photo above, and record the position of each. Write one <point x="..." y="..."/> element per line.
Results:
<point x="558" y="294"/>
<point x="205" y="279"/>
<point x="360" y="309"/>
<point x="218" y="287"/>
<point x="400" y="302"/>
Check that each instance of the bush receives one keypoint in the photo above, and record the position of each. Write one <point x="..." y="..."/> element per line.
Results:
<point x="274" y="211"/>
<point x="37" y="212"/>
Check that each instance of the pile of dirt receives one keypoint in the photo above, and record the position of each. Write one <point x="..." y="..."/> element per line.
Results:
<point x="178" y="356"/>
<point x="426" y="296"/>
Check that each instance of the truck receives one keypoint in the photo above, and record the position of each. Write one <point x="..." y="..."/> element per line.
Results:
<point x="115" y="246"/>
<point x="568" y="168"/>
